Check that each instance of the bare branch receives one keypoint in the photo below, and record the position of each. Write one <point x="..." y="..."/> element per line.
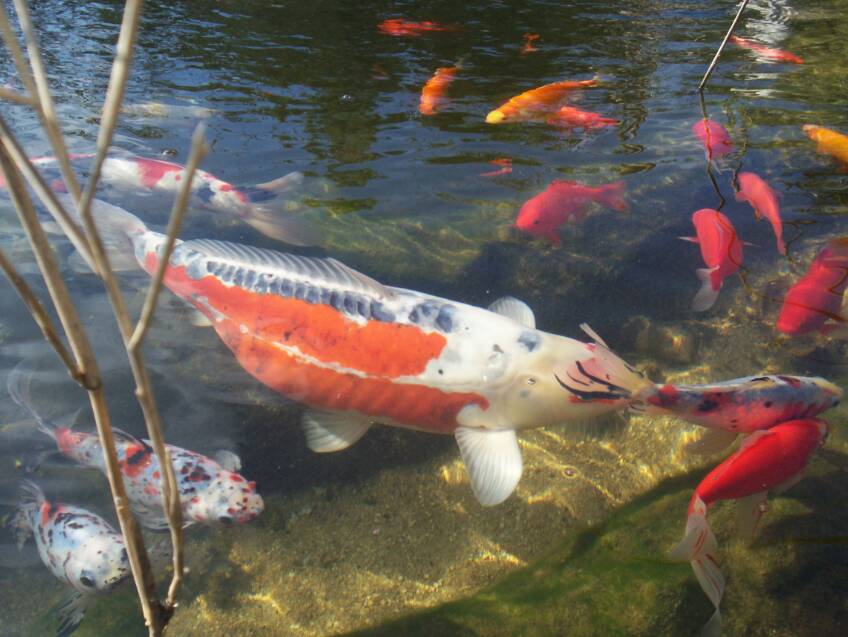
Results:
<point x="722" y="45"/>
<point x="199" y="149"/>
<point x="48" y="198"/>
<point x="13" y="96"/>
<point x="17" y="54"/>
<point x="39" y="314"/>
<point x="154" y="614"/>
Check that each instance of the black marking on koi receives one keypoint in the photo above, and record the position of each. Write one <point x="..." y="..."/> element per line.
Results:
<point x="706" y="405"/>
<point x="588" y="395"/>
<point x="612" y="387"/>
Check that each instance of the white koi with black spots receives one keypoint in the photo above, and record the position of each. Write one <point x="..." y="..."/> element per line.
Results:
<point x="209" y="493"/>
<point x="80" y="548"/>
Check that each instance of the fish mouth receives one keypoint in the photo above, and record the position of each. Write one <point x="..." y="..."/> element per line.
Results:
<point x="588" y="387"/>
<point x="494" y="117"/>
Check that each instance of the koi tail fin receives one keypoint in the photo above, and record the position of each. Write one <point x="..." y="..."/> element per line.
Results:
<point x="30" y="501"/>
<point x="119" y="229"/>
<point x="604" y="375"/>
<point x="706" y="295"/>
<point x="699" y="548"/>
<point x="612" y="196"/>
<point x="18" y="385"/>
<point x="264" y="212"/>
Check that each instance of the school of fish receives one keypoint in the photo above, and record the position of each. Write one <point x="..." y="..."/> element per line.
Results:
<point x="357" y="353"/>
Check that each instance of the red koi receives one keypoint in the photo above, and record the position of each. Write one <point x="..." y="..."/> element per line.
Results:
<point x="763" y="200"/>
<point x="542" y="215"/>
<point x="766" y="460"/>
<point x="399" y="27"/>
<point x="765" y="52"/>
<point x="571" y="117"/>
<point x="505" y="164"/>
<point x="817" y="296"/>
<point x="721" y="250"/>
<point x="528" y="47"/>
<point x="714" y="137"/>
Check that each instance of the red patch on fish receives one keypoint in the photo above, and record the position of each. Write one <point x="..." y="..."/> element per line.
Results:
<point x="151" y="171"/>
<point x="665" y="396"/>
<point x="561" y="201"/>
<point x="714" y="137"/>
<point x="137" y="458"/>
<point x="817" y="296"/>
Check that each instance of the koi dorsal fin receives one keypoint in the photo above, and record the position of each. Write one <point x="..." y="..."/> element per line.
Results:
<point x="327" y="271"/>
<point x="516" y="310"/>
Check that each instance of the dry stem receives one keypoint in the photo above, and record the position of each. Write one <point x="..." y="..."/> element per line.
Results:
<point x="722" y="45"/>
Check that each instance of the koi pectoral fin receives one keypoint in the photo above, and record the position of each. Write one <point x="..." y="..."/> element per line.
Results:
<point x="493" y="461"/>
<point x="71" y="611"/>
<point x="711" y="442"/>
<point x="328" y="431"/>
<point x="748" y="513"/>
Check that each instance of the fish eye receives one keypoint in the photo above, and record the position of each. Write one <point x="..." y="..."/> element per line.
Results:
<point x="531" y="380"/>
<point x="87" y="581"/>
<point x="225" y="519"/>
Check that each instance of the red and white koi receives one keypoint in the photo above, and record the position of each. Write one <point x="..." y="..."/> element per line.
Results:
<point x="257" y="205"/>
<point x="80" y="548"/>
<point x="356" y="352"/>
<point x="721" y="250"/>
<point x="209" y="492"/>
<point x="741" y="405"/>
<point x="771" y="459"/>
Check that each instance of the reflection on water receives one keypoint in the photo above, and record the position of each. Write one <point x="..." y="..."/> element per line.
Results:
<point x="428" y="202"/>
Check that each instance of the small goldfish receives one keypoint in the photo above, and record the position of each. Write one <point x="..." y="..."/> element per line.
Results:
<point x="766" y="460"/>
<point x="535" y="103"/>
<point x="817" y="296"/>
<point x="542" y="215"/>
<point x="571" y="117"/>
<point x="209" y="493"/>
<point x="529" y="47"/>
<point x="721" y="250"/>
<point x="80" y="548"/>
<point x="505" y="164"/>
<point x="714" y="137"/>
<point x="433" y="93"/>
<point x="829" y="141"/>
<point x="399" y="27"/>
<point x="764" y="201"/>
<point x="775" y="55"/>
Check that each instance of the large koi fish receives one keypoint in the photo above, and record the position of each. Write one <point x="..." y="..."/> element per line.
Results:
<point x="356" y="352"/>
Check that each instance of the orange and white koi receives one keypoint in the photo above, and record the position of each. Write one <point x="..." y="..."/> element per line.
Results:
<point x="536" y="103"/>
<point x="766" y="52"/>
<point x="764" y="201"/>
<point x="769" y="459"/>
<point x="356" y="352"/>
<point x="256" y="205"/>
<point x="209" y="493"/>
<point x="829" y="141"/>
<point x="433" y="93"/>
<point x="79" y="547"/>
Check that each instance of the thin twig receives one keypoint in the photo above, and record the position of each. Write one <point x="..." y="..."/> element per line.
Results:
<point x="47" y="196"/>
<point x="46" y="109"/>
<point x="13" y="96"/>
<point x="39" y="314"/>
<point x="17" y="54"/>
<point x="721" y="46"/>
<point x="80" y="345"/>
<point x="199" y="149"/>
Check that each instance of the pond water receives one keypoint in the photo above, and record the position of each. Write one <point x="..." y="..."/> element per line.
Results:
<point x="350" y="540"/>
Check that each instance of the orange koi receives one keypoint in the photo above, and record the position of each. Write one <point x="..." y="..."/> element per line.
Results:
<point x="528" y="47"/>
<point x="536" y="103"/>
<point x="829" y="141"/>
<point x="505" y="164"/>
<point x="768" y="53"/>
<point x="399" y="27"/>
<point x="433" y="93"/>
<point x="571" y="117"/>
